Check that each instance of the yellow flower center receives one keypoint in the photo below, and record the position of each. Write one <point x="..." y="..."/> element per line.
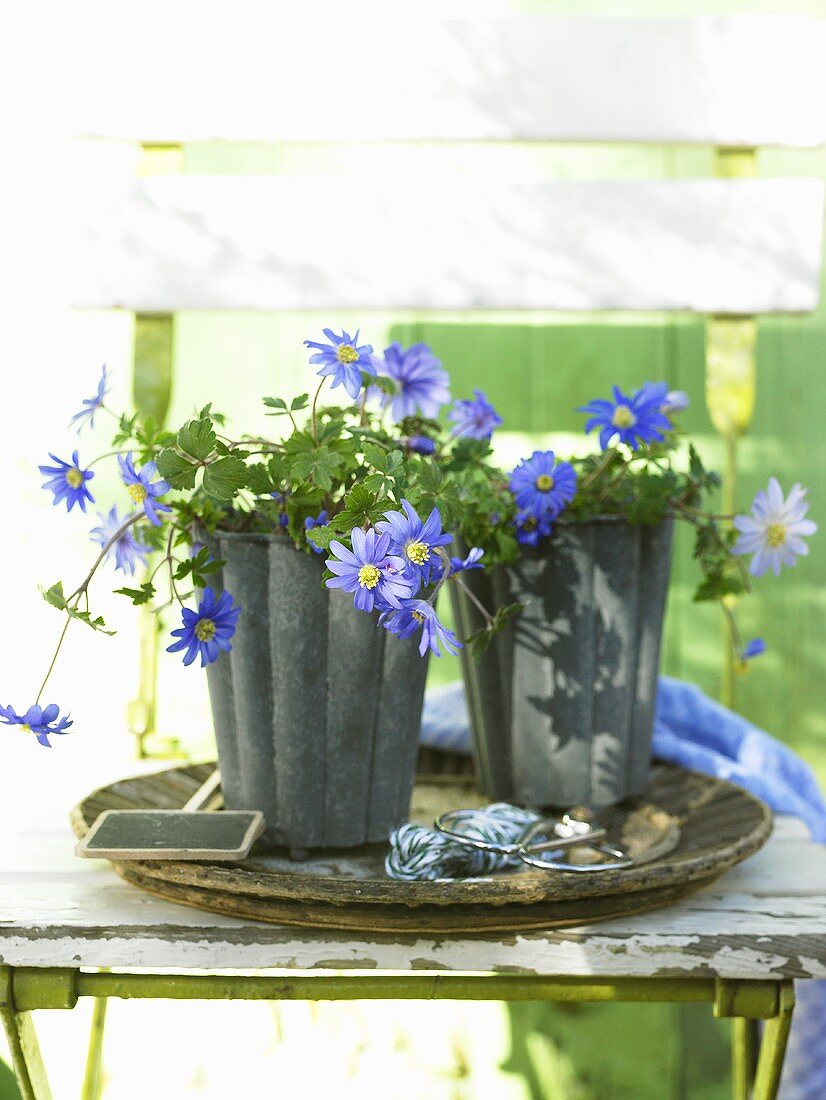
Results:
<point x="418" y="616"/>
<point x="776" y="534"/>
<point x="74" y="478"/>
<point x="26" y="728"/>
<point x="137" y="492"/>
<point x="623" y="417"/>
<point x="418" y="552"/>
<point x="369" y="576"/>
<point x="205" y="630"/>
<point x="347" y="353"/>
<point x="544" y="483"/>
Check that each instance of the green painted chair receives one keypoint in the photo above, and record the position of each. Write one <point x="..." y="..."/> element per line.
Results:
<point x="442" y="239"/>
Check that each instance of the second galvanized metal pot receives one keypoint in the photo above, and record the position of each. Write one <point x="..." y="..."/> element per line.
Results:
<point x="562" y="704"/>
<point x="317" y="709"/>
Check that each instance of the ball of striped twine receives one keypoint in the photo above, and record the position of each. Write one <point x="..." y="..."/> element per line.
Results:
<point x="427" y="854"/>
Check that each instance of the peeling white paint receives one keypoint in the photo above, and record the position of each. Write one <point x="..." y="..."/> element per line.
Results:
<point x="767" y="918"/>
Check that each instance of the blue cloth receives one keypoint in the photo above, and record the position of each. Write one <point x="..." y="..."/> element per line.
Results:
<point x="693" y="730"/>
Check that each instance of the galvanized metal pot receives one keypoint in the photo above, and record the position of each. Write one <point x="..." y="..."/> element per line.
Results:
<point x="317" y="709"/>
<point x="562" y="704"/>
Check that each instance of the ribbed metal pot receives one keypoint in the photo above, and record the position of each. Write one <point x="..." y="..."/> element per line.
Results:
<point x="317" y="709"/>
<point x="562" y="703"/>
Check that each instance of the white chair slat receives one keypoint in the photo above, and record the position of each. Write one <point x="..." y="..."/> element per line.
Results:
<point x="260" y="75"/>
<point x="263" y="242"/>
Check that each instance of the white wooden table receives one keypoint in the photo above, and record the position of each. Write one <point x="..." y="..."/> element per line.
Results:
<point x="736" y="944"/>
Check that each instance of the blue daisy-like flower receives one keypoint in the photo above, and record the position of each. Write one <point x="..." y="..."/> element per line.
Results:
<point x="774" y="531"/>
<point x="531" y="528"/>
<point x="208" y="630"/>
<point x="343" y="359"/>
<point x="310" y="522"/>
<point x="142" y="489"/>
<point x="476" y="419"/>
<point x="631" y="420"/>
<point x="413" y="540"/>
<point x="755" y="648"/>
<point x="542" y="486"/>
<point x="92" y="404"/>
<point x="68" y="482"/>
<point x="374" y="575"/>
<point x="422" y="382"/>
<point x="419" y="615"/>
<point x="421" y="444"/>
<point x="129" y="551"/>
<point x="43" y="722"/>
<point x="472" y="561"/>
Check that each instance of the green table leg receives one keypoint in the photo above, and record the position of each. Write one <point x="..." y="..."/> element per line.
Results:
<point x="93" y="1077"/>
<point x="25" y="1051"/>
<point x="745" y="1040"/>
<point x="773" y="1046"/>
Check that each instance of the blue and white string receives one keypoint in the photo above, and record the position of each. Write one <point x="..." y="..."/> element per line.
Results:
<point x="417" y="852"/>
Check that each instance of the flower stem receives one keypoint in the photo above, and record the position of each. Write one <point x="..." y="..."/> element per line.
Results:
<point x="477" y="603"/>
<point x="313" y="414"/>
<point x="600" y="468"/>
<point x="50" y="669"/>
<point x="80" y="591"/>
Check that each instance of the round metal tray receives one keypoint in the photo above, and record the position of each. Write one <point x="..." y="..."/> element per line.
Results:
<point x="683" y="832"/>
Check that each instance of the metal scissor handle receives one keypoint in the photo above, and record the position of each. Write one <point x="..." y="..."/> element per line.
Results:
<point x="569" y="831"/>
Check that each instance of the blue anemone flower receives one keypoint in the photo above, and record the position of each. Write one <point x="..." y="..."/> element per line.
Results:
<point x="310" y="523"/>
<point x="369" y="571"/>
<point x="208" y="630"/>
<point x="68" y="482"/>
<point x="419" y="615"/>
<point x="630" y="420"/>
<point x="142" y="489"/>
<point x="421" y="444"/>
<point x="344" y="359"/>
<point x="422" y="382"/>
<point x="92" y="404"/>
<point x="476" y="418"/>
<point x="129" y="551"/>
<point x="472" y="561"/>
<point x="41" y="721"/>
<point x="753" y="649"/>
<point x="775" y="529"/>
<point x="414" y="540"/>
<point x="542" y="486"/>
<point x="531" y="528"/>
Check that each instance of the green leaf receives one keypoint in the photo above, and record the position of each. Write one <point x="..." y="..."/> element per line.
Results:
<point x="196" y="438"/>
<point x="318" y="466"/>
<point x="86" y="617"/>
<point x="138" y="595"/>
<point x="177" y="470"/>
<point x="276" y="403"/>
<point x="300" y="402"/>
<point x="375" y="455"/>
<point x="360" y="507"/>
<point x="223" y="479"/>
<point x="54" y="596"/>
<point x="321" y="536"/>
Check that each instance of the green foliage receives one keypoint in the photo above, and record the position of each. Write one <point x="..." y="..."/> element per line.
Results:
<point x="140" y="595"/>
<point x="55" y="598"/>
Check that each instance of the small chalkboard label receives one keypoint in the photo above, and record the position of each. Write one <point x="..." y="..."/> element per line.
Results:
<point x="172" y="834"/>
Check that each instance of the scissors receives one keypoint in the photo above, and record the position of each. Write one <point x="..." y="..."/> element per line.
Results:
<point x="569" y="831"/>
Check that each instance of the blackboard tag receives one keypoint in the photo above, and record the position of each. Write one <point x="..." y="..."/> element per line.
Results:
<point x="172" y="834"/>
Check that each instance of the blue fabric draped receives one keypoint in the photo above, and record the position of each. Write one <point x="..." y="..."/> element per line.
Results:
<point x="695" y="731"/>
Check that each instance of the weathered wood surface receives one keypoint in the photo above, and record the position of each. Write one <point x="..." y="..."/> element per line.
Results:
<point x="741" y="80"/>
<point x="684" y="831"/>
<point x="264" y="242"/>
<point x="764" y="918"/>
